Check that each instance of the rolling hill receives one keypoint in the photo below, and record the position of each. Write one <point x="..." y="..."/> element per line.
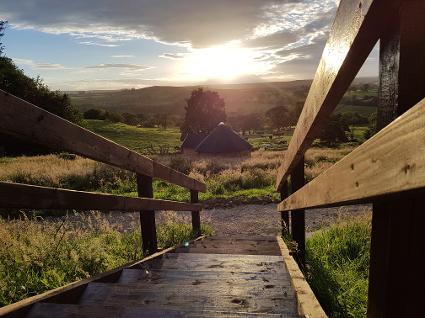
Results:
<point x="239" y="98"/>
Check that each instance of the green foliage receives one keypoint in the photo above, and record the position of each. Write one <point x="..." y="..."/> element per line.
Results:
<point x="278" y="117"/>
<point x="143" y="140"/>
<point x="334" y="130"/>
<point x="204" y="111"/>
<point x="180" y="164"/>
<point x="38" y="255"/>
<point x="14" y="81"/>
<point x="94" y="113"/>
<point x="338" y="267"/>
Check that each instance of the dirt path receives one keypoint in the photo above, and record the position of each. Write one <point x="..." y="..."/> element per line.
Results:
<point x="264" y="220"/>
<point x="243" y="220"/>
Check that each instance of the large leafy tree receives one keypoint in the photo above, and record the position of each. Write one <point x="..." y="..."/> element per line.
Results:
<point x="278" y="117"/>
<point x="204" y="111"/>
<point x="33" y="90"/>
<point x="335" y="130"/>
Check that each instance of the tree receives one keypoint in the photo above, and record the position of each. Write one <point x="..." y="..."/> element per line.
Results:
<point x="334" y="130"/>
<point x="94" y="113"/>
<point x="204" y="111"/>
<point x="278" y="117"/>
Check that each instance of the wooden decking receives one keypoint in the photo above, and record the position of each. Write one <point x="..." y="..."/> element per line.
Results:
<point x="212" y="277"/>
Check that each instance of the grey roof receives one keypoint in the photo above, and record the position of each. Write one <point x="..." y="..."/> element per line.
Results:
<point x="223" y="139"/>
<point x="192" y="140"/>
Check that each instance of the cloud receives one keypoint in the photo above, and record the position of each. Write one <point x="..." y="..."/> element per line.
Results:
<point x="122" y="56"/>
<point x="173" y="56"/>
<point x="38" y="66"/>
<point x="91" y="43"/>
<point x="199" y="23"/>
<point x="123" y="66"/>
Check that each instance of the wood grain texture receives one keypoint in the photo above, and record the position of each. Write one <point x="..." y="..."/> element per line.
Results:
<point x="22" y="196"/>
<point x="392" y="161"/>
<point x="308" y="305"/>
<point x="397" y="223"/>
<point x="29" y="122"/>
<point x="355" y="31"/>
<point x="147" y="217"/>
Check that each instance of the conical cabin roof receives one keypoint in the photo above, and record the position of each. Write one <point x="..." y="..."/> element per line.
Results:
<point x="223" y="139"/>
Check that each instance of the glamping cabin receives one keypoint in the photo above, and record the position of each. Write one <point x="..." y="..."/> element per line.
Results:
<point x="222" y="140"/>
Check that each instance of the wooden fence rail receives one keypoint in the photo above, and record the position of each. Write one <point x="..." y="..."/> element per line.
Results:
<point x="389" y="169"/>
<point x="29" y="122"/>
<point x="390" y="162"/>
<point x="23" y="196"/>
<point x="357" y="27"/>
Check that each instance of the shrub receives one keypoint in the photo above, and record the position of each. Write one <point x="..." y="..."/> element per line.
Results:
<point x="180" y="164"/>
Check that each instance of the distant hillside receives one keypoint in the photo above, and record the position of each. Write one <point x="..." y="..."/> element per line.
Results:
<point x="239" y="98"/>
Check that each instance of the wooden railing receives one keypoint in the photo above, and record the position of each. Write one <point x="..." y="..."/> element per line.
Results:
<point x="389" y="169"/>
<point x="24" y="120"/>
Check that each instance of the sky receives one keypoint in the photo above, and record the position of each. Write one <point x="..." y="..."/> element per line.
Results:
<point x="115" y="44"/>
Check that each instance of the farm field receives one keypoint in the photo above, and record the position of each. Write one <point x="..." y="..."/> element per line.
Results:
<point x="143" y="140"/>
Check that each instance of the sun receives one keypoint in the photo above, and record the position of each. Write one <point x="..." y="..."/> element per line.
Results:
<point x="225" y="62"/>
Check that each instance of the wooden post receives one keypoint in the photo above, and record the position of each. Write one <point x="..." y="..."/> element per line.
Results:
<point x="147" y="218"/>
<point x="196" y="218"/>
<point x="298" y="216"/>
<point x="284" y="216"/>
<point x="396" y="275"/>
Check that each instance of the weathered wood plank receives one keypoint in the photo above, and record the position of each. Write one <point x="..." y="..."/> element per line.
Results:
<point x="27" y="121"/>
<point x="165" y="173"/>
<point x="152" y="277"/>
<point x="308" y="305"/>
<point x="196" y="217"/>
<point x="195" y="299"/>
<point x="397" y="223"/>
<point x="356" y="29"/>
<point x="22" y="196"/>
<point x="298" y="216"/>
<point x="95" y="311"/>
<point x="390" y="162"/>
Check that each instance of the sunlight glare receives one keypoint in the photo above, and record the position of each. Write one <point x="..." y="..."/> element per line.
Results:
<point x="225" y="62"/>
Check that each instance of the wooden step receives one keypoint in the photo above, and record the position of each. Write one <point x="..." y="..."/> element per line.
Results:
<point x="46" y="310"/>
<point x="191" y="298"/>
<point x="217" y="262"/>
<point x="133" y="276"/>
<point x="227" y="250"/>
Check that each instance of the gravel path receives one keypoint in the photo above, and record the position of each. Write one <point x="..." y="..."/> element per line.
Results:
<point x="264" y="220"/>
<point x="242" y="220"/>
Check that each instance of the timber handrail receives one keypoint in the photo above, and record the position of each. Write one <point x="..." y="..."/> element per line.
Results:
<point x="390" y="162"/>
<point x="29" y="122"/>
<point x="25" y="120"/>
<point x="388" y="170"/>
<point x="24" y="196"/>
<point x="356" y="29"/>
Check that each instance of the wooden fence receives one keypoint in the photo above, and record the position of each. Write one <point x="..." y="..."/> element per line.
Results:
<point x="29" y="122"/>
<point x="389" y="169"/>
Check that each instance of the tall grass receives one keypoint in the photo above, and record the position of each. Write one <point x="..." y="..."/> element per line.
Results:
<point x="225" y="177"/>
<point x="38" y="254"/>
<point x="338" y="267"/>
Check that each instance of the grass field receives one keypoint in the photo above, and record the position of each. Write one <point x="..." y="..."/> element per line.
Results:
<point x="364" y="111"/>
<point x="143" y="140"/>
<point x="39" y="255"/>
<point x="338" y="266"/>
